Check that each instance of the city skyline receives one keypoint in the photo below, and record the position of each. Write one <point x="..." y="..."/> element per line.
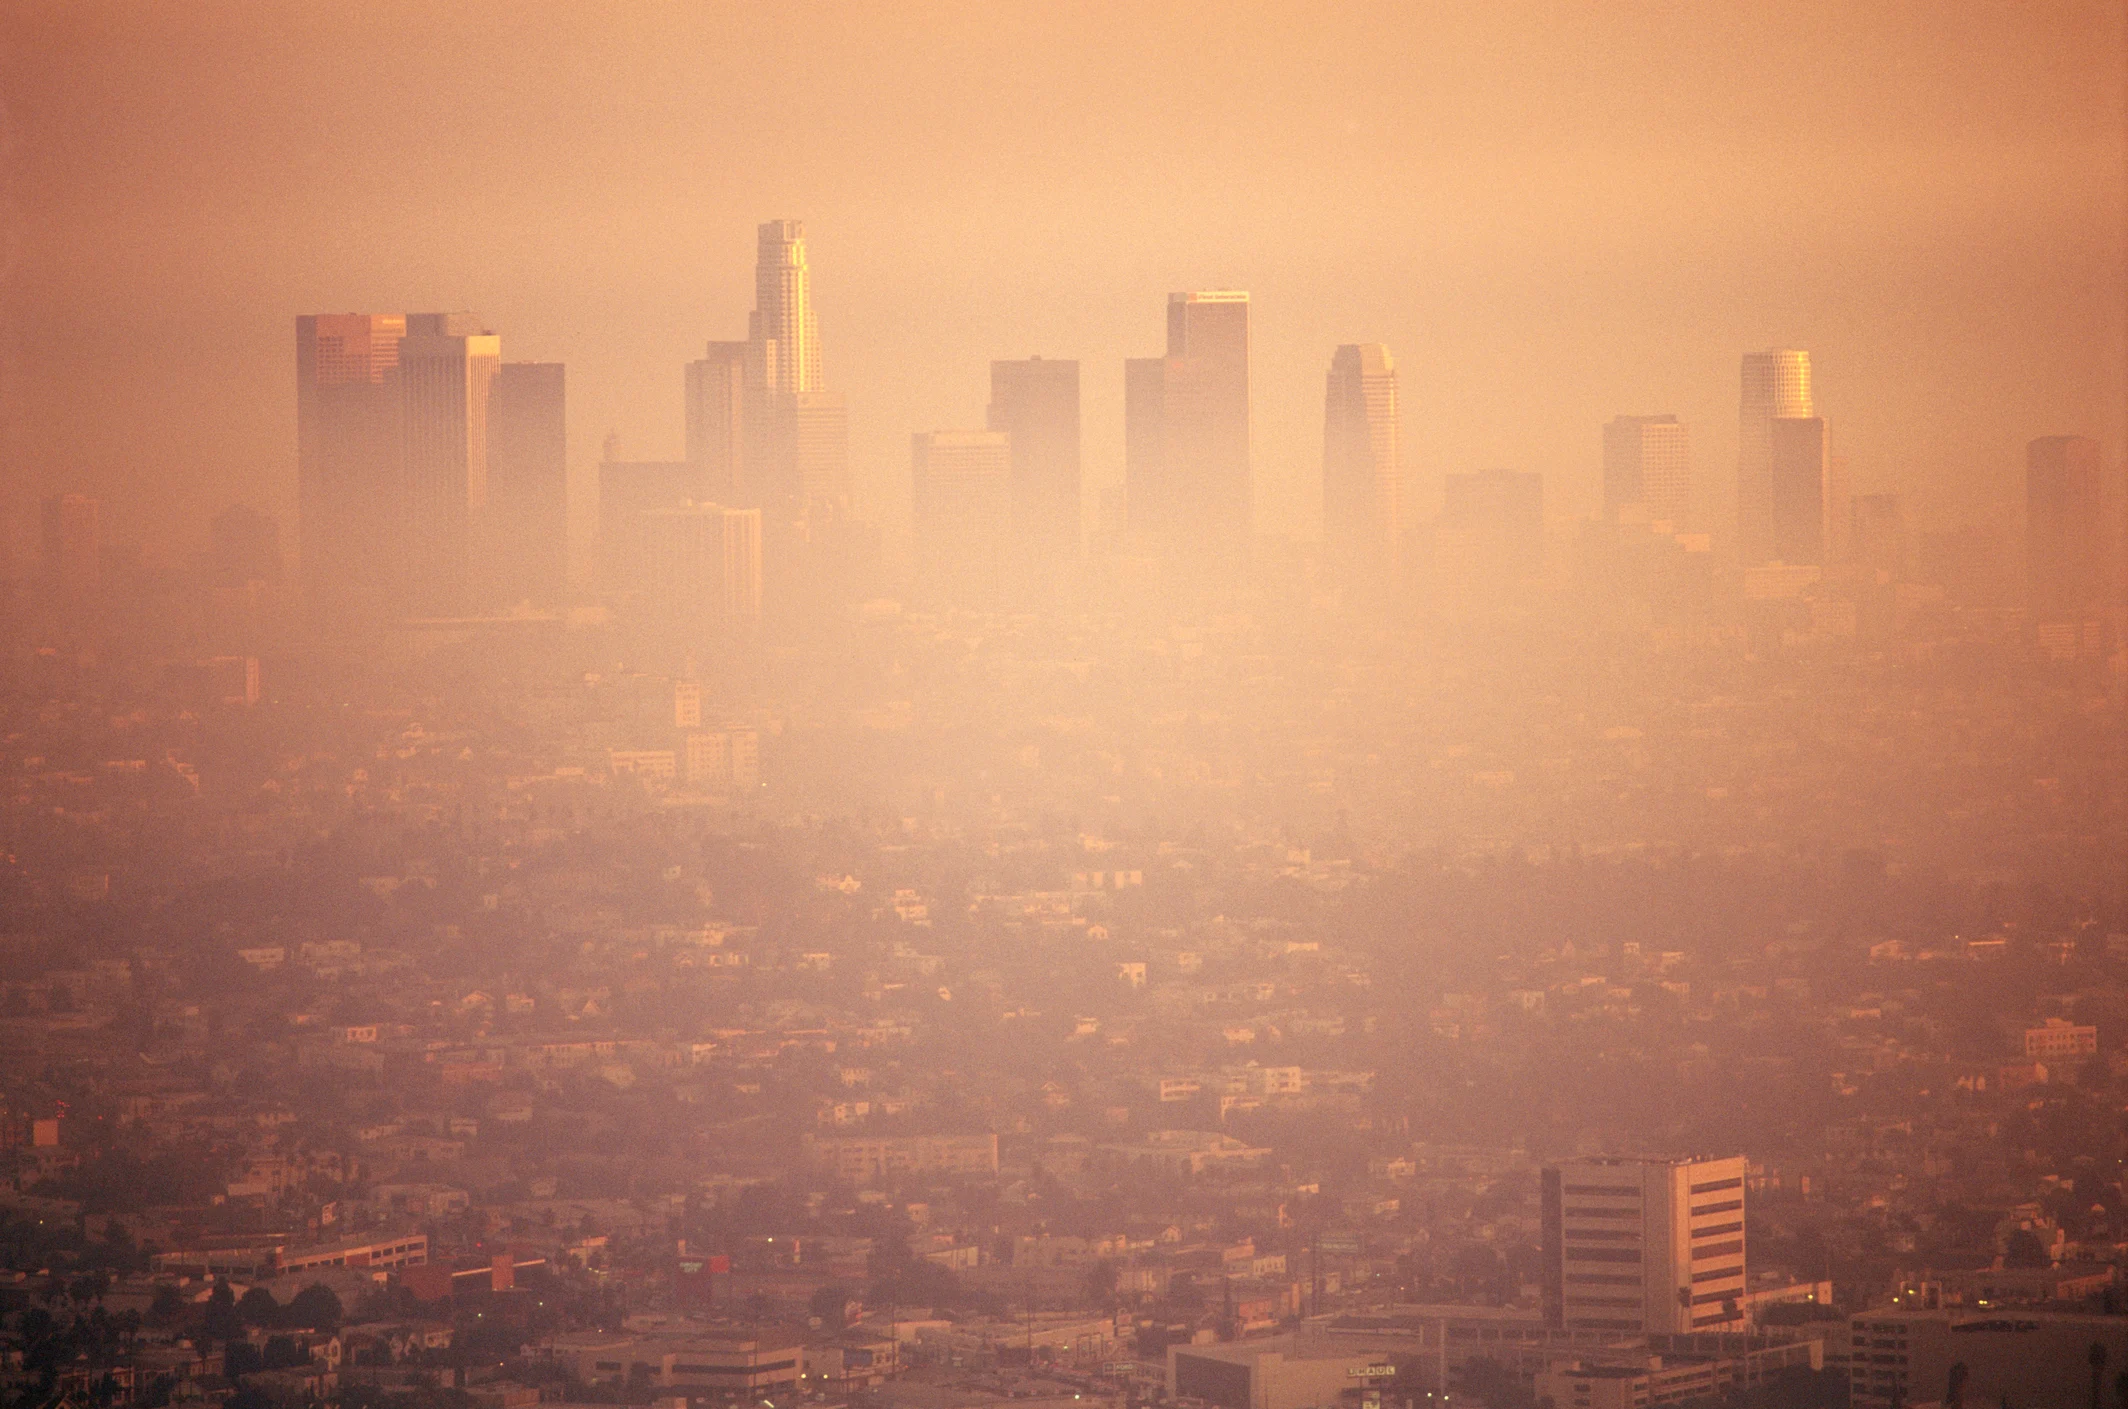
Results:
<point x="1411" y="705"/>
<point x="1439" y="258"/>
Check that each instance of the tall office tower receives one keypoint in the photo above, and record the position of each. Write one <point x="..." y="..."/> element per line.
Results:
<point x="702" y="570"/>
<point x="1036" y="402"/>
<point x="1877" y="534"/>
<point x="1186" y="431"/>
<point x="1491" y="530"/>
<point x="782" y="333"/>
<point x="2064" y="529"/>
<point x="628" y="490"/>
<point x="819" y="438"/>
<point x="447" y="368"/>
<point x="1776" y="385"/>
<point x="1654" y="1246"/>
<point x="350" y="448"/>
<point x="1799" y="474"/>
<point x="1363" y="480"/>
<point x="716" y="421"/>
<point x="961" y="484"/>
<point x="794" y="435"/>
<point x="525" y="536"/>
<point x="1647" y="460"/>
<point x="245" y="547"/>
<point x="72" y="542"/>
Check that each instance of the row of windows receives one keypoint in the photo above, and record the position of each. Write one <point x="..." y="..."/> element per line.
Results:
<point x="1605" y="1254"/>
<point x="1725" y="1206"/>
<point x="1603" y="1301"/>
<point x="1606" y="1191"/>
<point x="1716" y="1274"/>
<point x="1606" y="1279"/>
<point x="1632" y="1213"/>
<point x="765" y="1367"/>
<point x="1718" y="1250"/>
<point x="1715" y="1186"/>
<point x="1717" y="1230"/>
<point x="1608" y="1234"/>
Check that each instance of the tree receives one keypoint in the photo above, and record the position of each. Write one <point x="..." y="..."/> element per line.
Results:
<point x="1101" y="1282"/>
<point x="240" y="1358"/>
<point x="830" y="1303"/>
<point x="222" y="1323"/>
<point x="282" y="1353"/>
<point x="314" y="1308"/>
<point x="257" y="1307"/>
<point x="169" y="1304"/>
<point x="2024" y="1249"/>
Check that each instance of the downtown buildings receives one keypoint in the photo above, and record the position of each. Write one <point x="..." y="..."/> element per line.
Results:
<point x="1186" y="435"/>
<point x="431" y="477"/>
<point x="1363" y="478"/>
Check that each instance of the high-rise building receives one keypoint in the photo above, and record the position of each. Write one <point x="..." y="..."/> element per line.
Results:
<point x="447" y="368"/>
<point x="1800" y="477"/>
<point x="1036" y="402"/>
<point x="1647" y="1245"/>
<point x="716" y="421"/>
<point x="2064" y="528"/>
<point x="1363" y="479"/>
<point x="1647" y="461"/>
<point x="702" y="569"/>
<point x="72" y="542"/>
<point x="782" y="333"/>
<point x="1491" y="531"/>
<point x="350" y="449"/>
<point x="961" y="492"/>
<point x="1186" y="431"/>
<point x="627" y="490"/>
<point x="524" y="536"/>
<point x="791" y="433"/>
<point x="1776" y="386"/>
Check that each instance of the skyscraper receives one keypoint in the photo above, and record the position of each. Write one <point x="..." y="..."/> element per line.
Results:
<point x="1799" y="477"/>
<point x="525" y="536"/>
<point x="702" y="570"/>
<point x="1187" y="432"/>
<point x="1362" y="466"/>
<point x="1649" y="1246"/>
<point x="1036" y="402"/>
<point x="1647" y="461"/>
<point x="2064" y="528"/>
<point x="716" y="421"/>
<point x="627" y="491"/>
<point x="447" y="367"/>
<point x="349" y="454"/>
<point x="961" y="492"/>
<point x="782" y="335"/>
<point x="793" y="433"/>
<point x="1776" y="385"/>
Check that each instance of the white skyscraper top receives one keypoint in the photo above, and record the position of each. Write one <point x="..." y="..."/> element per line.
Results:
<point x="783" y="337"/>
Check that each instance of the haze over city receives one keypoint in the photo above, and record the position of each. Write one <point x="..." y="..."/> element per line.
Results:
<point x="726" y="705"/>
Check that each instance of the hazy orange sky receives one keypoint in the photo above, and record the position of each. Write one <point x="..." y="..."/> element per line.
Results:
<point x="1552" y="213"/>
